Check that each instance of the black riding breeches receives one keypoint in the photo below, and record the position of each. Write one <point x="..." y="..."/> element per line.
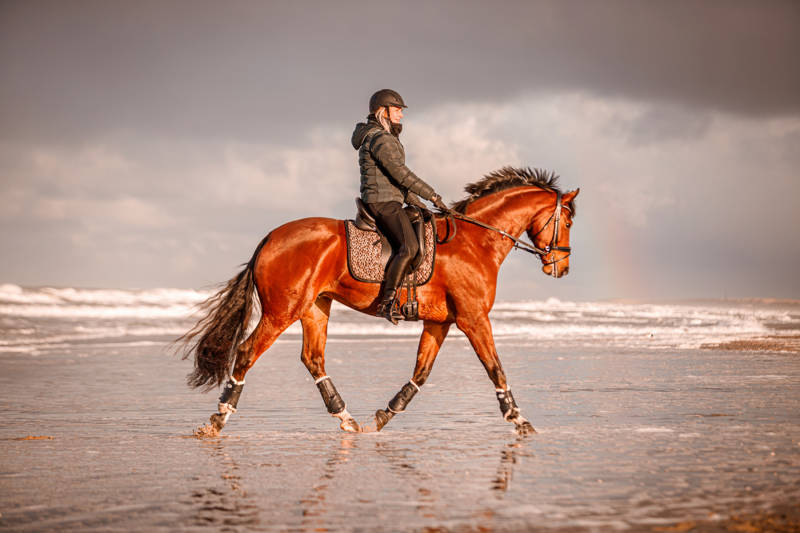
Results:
<point x="393" y="222"/>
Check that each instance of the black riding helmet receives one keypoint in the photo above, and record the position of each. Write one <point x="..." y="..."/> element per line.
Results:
<point x="385" y="98"/>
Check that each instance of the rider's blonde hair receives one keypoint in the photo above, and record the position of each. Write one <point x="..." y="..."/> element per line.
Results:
<point x="380" y="114"/>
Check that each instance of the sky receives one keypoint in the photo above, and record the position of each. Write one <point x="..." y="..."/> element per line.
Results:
<point x="154" y="143"/>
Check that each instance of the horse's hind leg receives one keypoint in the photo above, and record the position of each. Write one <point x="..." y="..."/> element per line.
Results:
<point x="315" y="333"/>
<point x="247" y="353"/>
<point x="433" y="335"/>
<point x="479" y="332"/>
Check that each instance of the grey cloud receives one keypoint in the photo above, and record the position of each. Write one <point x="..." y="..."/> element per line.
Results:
<point x="677" y="119"/>
<point x="672" y="218"/>
<point x="267" y="70"/>
<point x="659" y="123"/>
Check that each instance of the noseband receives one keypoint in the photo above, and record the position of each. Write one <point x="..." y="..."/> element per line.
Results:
<point x="519" y="244"/>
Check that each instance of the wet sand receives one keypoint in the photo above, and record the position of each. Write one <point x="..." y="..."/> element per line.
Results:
<point x="98" y="438"/>
<point x="771" y="343"/>
<point x="781" y="519"/>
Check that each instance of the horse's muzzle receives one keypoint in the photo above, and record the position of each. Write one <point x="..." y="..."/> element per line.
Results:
<point x="560" y="271"/>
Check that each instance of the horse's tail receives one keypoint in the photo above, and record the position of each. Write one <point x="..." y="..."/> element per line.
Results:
<point x="216" y="336"/>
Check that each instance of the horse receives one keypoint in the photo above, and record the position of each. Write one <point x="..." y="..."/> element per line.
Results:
<point x="299" y="268"/>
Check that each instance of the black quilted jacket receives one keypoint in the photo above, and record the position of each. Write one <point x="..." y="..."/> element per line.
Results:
<point x="382" y="160"/>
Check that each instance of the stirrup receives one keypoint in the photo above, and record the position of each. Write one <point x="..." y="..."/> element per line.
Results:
<point x="388" y="310"/>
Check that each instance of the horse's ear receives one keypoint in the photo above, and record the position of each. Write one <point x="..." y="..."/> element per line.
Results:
<point x="570" y="196"/>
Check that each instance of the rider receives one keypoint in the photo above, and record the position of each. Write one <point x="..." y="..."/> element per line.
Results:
<point x="386" y="182"/>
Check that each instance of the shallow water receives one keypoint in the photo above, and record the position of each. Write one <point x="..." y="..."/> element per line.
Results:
<point x="627" y="438"/>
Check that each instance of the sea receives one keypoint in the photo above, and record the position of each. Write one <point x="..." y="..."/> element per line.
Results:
<point x="648" y="415"/>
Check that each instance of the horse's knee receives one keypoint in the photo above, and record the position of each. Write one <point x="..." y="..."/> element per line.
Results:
<point x="312" y="363"/>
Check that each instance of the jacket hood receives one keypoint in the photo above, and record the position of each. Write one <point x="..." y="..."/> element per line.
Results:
<point x="361" y="130"/>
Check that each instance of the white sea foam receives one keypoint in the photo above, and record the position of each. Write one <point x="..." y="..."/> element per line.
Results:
<point x="46" y="316"/>
<point x="96" y="311"/>
<point x="112" y="297"/>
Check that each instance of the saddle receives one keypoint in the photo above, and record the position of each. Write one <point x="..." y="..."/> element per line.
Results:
<point x="365" y="221"/>
<point x="368" y="250"/>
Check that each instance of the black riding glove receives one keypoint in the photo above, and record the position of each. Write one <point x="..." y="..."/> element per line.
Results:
<point x="413" y="199"/>
<point x="437" y="201"/>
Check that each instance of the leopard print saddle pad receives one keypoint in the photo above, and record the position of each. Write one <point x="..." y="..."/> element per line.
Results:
<point x="364" y="254"/>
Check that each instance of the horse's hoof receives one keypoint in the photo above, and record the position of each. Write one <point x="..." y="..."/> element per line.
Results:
<point x="350" y="425"/>
<point x="206" y="431"/>
<point x="382" y="418"/>
<point x="525" y="428"/>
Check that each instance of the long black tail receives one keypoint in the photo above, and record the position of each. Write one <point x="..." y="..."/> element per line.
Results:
<point x="215" y="337"/>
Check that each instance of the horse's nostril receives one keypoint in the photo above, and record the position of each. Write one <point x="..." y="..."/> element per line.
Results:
<point x="566" y="271"/>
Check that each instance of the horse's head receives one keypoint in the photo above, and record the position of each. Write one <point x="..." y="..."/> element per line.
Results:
<point x="550" y="232"/>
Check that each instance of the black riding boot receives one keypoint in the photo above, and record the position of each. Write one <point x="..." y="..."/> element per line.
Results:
<point x="388" y="308"/>
<point x="393" y="222"/>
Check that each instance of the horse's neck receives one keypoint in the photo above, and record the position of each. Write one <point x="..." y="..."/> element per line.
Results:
<point x="512" y="211"/>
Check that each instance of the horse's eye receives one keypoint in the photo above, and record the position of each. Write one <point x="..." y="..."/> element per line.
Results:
<point x="569" y="224"/>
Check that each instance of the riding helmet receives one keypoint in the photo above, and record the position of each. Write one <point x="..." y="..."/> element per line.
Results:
<point x="385" y="97"/>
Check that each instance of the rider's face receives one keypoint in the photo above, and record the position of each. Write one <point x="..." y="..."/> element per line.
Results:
<point x="395" y="114"/>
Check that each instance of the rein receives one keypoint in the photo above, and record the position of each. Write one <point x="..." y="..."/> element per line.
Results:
<point x="519" y="244"/>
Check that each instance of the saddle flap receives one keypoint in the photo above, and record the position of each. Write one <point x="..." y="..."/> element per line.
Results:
<point x="367" y="257"/>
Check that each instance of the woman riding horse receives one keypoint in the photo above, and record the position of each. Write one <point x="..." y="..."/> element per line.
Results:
<point x="386" y="182"/>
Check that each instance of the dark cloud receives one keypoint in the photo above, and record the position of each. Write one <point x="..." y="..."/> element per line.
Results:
<point x="154" y="143"/>
<point x="266" y="70"/>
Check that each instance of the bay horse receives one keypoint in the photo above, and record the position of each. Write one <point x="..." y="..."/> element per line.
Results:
<point x="301" y="266"/>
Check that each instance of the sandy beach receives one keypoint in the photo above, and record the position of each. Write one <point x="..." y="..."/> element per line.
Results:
<point x="637" y="450"/>
<point x="635" y="433"/>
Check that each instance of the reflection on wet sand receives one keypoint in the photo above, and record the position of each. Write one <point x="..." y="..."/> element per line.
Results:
<point x="228" y="504"/>
<point x="510" y="454"/>
<point x="314" y="504"/>
<point x="410" y="478"/>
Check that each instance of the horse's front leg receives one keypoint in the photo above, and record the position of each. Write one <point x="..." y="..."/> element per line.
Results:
<point x="479" y="332"/>
<point x="315" y="333"/>
<point x="433" y="335"/>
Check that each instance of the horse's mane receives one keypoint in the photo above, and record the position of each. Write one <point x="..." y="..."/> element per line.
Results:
<point x="506" y="178"/>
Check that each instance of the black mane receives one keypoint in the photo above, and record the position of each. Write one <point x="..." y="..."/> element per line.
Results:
<point x="506" y="178"/>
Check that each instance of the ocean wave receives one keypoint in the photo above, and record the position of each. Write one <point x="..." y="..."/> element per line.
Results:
<point x="49" y="316"/>
<point x="96" y="311"/>
<point x="14" y="294"/>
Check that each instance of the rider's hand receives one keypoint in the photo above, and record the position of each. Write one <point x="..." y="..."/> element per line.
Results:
<point x="413" y="199"/>
<point x="437" y="201"/>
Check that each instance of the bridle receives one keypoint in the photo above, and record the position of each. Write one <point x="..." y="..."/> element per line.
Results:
<point x="553" y="246"/>
<point x="519" y="244"/>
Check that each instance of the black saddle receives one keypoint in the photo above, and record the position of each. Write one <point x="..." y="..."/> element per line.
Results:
<point x="365" y="221"/>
